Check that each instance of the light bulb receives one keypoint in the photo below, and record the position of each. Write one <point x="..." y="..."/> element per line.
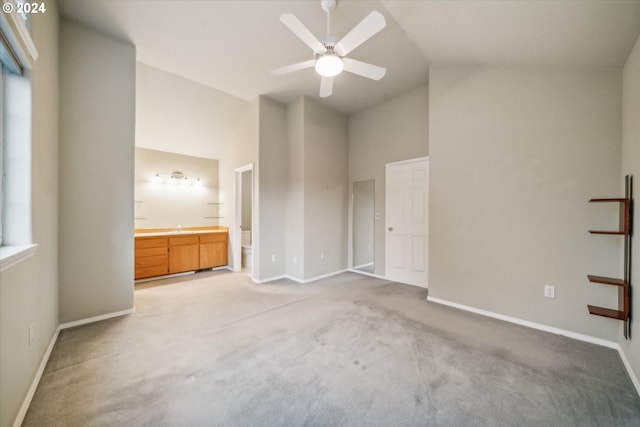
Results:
<point x="198" y="182"/>
<point x="329" y="65"/>
<point x="156" y="179"/>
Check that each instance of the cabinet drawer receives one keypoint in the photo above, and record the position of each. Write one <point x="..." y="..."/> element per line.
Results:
<point x="154" y="270"/>
<point x="151" y="252"/>
<point x="155" y="242"/>
<point x="150" y="261"/>
<point x="213" y="237"/>
<point x="183" y="240"/>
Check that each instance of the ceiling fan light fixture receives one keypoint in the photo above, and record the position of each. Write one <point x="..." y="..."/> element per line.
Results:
<point x="329" y="65"/>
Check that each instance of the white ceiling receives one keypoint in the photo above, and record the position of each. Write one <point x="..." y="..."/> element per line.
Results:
<point x="232" y="45"/>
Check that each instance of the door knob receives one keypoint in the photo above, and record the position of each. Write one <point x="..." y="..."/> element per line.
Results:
<point x="390" y="228"/>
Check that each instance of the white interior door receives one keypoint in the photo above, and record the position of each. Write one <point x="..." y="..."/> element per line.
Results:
<point x="407" y="221"/>
<point x="235" y="231"/>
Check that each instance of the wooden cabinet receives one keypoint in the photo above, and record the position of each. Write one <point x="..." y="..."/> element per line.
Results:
<point x="213" y="250"/>
<point x="151" y="256"/>
<point x="162" y="255"/>
<point x="183" y="254"/>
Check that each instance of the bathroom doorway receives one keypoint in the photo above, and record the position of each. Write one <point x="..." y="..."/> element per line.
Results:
<point x="243" y="236"/>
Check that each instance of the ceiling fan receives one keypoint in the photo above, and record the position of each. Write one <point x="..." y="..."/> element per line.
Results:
<point x="330" y="54"/>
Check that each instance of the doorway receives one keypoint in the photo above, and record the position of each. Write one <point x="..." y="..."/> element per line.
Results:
<point x="242" y="248"/>
<point x="407" y="221"/>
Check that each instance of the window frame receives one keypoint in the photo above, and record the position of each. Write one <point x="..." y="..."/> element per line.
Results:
<point x="16" y="38"/>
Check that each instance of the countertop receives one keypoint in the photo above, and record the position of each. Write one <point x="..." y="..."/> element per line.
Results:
<point x="154" y="232"/>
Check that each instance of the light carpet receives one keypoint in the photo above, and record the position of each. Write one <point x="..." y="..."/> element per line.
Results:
<point x="215" y="349"/>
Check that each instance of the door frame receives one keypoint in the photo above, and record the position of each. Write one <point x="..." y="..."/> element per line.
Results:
<point x="236" y="233"/>
<point x="387" y="243"/>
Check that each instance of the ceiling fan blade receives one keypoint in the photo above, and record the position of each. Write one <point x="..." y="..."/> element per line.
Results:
<point x="364" y="69"/>
<point x="366" y="29"/>
<point x="326" y="87"/>
<point x="299" y="29"/>
<point x="293" y="67"/>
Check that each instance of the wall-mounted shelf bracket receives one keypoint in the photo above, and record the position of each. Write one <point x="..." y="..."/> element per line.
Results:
<point x="625" y="228"/>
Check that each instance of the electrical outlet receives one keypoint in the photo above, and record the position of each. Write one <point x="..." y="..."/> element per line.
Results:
<point x="549" y="291"/>
<point x="295" y="259"/>
<point x="321" y="255"/>
<point x="273" y="258"/>
<point x="30" y="334"/>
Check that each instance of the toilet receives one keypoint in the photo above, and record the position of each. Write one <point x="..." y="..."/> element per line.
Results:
<point x="246" y="248"/>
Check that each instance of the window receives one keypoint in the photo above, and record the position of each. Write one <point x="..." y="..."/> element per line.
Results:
<point x="17" y="55"/>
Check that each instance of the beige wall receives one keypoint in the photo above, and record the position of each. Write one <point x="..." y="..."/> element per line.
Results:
<point x="303" y="190"/>
<point x="241" y="150"/>
<point x="325" y="190"/>
<point x="631" y="165"/>
<point x="295" y="189"/>
<point x="167" y="205"/>
<point x="177" y="115"/>
<point x="29" y="290"/>
<point x="515" y="155"/>
<point x="269" y="242"/>
<point x="397" y="129"/>
<point x="97" y="102"/>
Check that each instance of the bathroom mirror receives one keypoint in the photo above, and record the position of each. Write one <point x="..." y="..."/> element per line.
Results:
<point x="363" y="217"/>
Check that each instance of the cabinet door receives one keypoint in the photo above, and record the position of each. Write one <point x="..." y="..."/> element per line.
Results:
<point x="213" y="254"/>
<point x="149" y="266"/>
<point x="151" y="257"/>
<point x="183" y="258"/>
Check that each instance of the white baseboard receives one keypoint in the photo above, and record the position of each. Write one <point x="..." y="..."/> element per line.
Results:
<point x="355" y="267"/>
<point x="45" y="358"/>
<point x="271" y="279"/>
<point x="301" y="281"/>
<point x="557" y="331"/>
<point x="36" y="380"/>
<point x="627" y="365"/>
<point x="534" y="325"/>
<point x="96" y="318"/>
<point x="364" y="273"/>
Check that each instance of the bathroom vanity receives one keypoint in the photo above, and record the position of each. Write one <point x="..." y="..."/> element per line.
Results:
<point x="162" y="251"/>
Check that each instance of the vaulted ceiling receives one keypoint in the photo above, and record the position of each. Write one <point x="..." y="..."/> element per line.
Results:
<point x="232" y="45"/>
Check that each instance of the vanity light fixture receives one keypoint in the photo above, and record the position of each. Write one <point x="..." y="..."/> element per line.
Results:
<point x="176" y="178"/>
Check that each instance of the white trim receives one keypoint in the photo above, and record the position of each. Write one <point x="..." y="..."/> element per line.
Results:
<point x="361" y="266"/>
<point x="96" y="318"/>
<point x="18" y="36"/>
<point x="36" y="380"/>
<point x="301" y="281"/>
<point x="400" y="162"/>
<point x="323" y="276"/>
<point x="235" y="235"/>
<point x="533" y="325"/>
<point x="12" y="255"/>
<point x="272" y="279"/>
<point x="45" y="358"/>
<point x="627" y="365"/>
<point x="364" y="273"/>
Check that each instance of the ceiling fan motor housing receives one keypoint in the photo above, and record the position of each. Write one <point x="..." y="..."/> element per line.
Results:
<point x="330" y="43"/>
<point x="328" y="5"/>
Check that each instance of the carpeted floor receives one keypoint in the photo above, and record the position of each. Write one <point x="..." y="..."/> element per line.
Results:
<point x="214" y="349"/>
